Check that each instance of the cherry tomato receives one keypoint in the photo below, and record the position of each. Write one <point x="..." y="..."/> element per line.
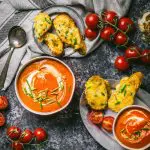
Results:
<point x="17" y="146"/>
<point x="110" y="16"/>
<point x="120" y="39"/>
<point x="40" y="134"/>
<point x="107" y="33"/>
<point x="90" y="34"/>
<point x="92" y="20"/>
<point x="96" y="117"/>
<point x="121" y="63"/>
<point x="125" y="24"/>
<point x="146" y="59"/>
<point x="13" y="132"/>
<point x="132" y="51"/>
<point x="26" y="136"/>
<point x="107" y="123"/>
<point x="2" y="120"/>
<point x="3" y="102"/>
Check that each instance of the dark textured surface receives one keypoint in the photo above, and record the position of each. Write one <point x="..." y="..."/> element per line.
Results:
<point x="65" y="129"/>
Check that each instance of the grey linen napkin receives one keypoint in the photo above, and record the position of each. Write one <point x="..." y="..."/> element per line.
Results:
<point x="22" y="55"/>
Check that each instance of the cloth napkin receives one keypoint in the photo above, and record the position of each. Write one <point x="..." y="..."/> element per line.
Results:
<point x="16" y="12"/>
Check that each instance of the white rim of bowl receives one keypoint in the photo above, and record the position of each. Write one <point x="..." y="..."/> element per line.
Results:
<point x="28" y="63"/>
<point x="116" y="119"/>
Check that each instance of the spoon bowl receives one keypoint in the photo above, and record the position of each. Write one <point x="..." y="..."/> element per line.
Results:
<point x="17" y="37"/>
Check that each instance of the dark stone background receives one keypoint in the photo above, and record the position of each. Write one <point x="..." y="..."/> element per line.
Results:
<point x="66" y="129"/>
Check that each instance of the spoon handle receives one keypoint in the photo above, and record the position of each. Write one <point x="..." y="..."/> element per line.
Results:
<point x="5" y="69"/>
<point x="4" y="52"/>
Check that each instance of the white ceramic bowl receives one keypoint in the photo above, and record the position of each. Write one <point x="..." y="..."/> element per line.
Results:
<point x="34" y="60"/>
<point x="115" y="121"/>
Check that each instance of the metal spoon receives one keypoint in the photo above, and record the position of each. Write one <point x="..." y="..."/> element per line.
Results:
<point x="17" y="38"/>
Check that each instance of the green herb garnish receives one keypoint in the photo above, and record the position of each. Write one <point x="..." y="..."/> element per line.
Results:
<point x="30" y="88"/>
<point x="125" y="93"/>
<point x="123" y="88"/>
<point x="117" y="103"/>
<point x="49" y="21"/>
<point x="42" y="95"/>
<point x="74" y="41"/>
<point x="66" y="33"/>
<point x="102" y="93"/>
<point x="61" y="85"/>
<point x="145" y="129"/>
<point x="137" y="133"/>
<point x="88" y="87"/>
<point x="41" y="106"/>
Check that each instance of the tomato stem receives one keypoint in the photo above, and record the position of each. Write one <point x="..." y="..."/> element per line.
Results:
<point x="139" y="56"/>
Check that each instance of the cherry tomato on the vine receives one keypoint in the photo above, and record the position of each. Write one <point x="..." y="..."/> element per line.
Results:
<point x="121" y="63"/>
<point x="107" y="123"/>
<point x="17" y="146"/>
<point x="110" y="16"/>
<point x="90" y="34"/>
<point x="132" y="51"/>
<point x="92" y="20"/>
<point x="107" y="33"/>
<point x="13" y="132"/>
<point x="96" y="117"/>
<point x="120" y="39"/>
<point x="26" y="136"/>
<point x="3" y="102"/>
<point x="125" y="24"/>
<point x="2" y="120"/>
<point x="40" y="134"/>
<point x="146" y="58"/>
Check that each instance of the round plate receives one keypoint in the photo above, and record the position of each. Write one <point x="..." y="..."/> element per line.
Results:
<point x="53" y="11"/>
<point x="104" y="138"/>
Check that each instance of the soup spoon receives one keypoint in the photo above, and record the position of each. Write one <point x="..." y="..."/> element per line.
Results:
<point x="17" y="38"/>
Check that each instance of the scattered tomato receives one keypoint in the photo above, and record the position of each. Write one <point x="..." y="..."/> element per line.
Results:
<point x="13" y="132"/>
<point x="132" y="51"/>
<point x="146" y="59"/>
<point x="121" y="63"/>
<point x="2" y="120"/>
<point x="120" y="39"/>
<point x="17" y="146"/>
<point x="107" y="123"/>
<point x="90" y="34"/>
<point x="107" y="33"/>
<point x="40" y="134"/>
<point x="92" y="20"/>
<point x="110" y="16"/>
<point x="26" y="136"/>
<point x="125" y="24"/>
<point x="96" y="117"/>
<point x="3" y="102"/>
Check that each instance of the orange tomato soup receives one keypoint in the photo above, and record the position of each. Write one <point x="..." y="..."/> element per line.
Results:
<point x="133" y="128"/>
<point x="45" y="85"/>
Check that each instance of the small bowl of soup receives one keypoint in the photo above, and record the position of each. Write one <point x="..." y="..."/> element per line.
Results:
<point x="131" y="127"/>
<point x="45" y="85"/>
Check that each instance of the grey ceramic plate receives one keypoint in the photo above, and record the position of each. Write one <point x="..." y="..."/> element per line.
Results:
<point x="53" y="11"/>
<point x="102" y="137"/>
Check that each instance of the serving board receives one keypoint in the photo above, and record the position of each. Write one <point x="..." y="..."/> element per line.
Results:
<point x="104" y="138"/>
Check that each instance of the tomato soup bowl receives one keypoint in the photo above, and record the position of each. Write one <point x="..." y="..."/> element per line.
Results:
<point x="68" y="80"/>
<point x="126" y="109"/>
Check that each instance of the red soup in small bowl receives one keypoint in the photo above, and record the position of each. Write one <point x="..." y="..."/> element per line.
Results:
<point x="132" y="127"/>
<point x="45" y="85"/>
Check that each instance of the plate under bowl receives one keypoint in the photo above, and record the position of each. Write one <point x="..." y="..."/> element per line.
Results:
<point x="54" y="11"/>
<point x="104" y="138"/>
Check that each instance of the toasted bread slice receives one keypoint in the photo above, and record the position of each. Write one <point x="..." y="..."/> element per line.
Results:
<point x="125" y="92"/>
